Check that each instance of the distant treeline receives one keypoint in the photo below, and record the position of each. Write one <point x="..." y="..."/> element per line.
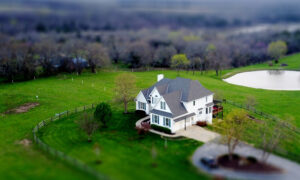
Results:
<point x="28" y="56"/>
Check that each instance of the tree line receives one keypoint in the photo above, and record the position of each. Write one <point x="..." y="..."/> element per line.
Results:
<point x="33" y="55"/>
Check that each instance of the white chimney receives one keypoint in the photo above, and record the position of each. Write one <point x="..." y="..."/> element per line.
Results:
<point x="160" y="77"/>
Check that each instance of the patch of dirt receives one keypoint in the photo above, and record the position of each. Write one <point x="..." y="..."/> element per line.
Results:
<point x="249" y="164"/>
<point x="23" y="108"/>
<point x="25" y="142"/>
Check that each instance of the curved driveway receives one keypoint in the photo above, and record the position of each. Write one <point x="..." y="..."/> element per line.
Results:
<point x="214" y="149"/>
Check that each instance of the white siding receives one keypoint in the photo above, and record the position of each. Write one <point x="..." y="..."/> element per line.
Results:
<point x="161" y="122"/>
<point x="157" y="106"/>
<point x="141" y="98"/>
<point x="154" y="94"/>
<point x="200" y="103"/>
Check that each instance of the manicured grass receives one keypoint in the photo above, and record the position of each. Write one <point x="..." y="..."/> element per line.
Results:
<point x="293" y="62"/>
<point x="123" y="153"/>
<point x="59" y="93"/>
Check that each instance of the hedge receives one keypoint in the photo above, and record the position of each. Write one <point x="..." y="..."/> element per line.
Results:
<point x="162" y="129"/>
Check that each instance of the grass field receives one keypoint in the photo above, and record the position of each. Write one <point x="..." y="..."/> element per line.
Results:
<point x="123" y="153"/>
<point x="59" y="93"/>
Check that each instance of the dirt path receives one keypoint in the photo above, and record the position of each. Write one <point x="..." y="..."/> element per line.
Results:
<point x="23" y="108"/>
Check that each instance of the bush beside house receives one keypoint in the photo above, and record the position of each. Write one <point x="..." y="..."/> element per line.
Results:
<point x="162" y="129"/>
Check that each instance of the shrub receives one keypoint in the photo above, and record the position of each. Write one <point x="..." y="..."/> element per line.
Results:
<point x="270" y="63"/>
<point x="284" y="64"/>
<point x="201" y="123"/>
<point x="145" y="127"/>
<point x="141" y="130"/>
<point x="103" y="113"/>
<point x="162" y="129"/>
<point x="140" y="113"/>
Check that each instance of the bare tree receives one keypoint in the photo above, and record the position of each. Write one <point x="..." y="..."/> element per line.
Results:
<point x="97" y="56"/>
<point x="271" y="136"/>
<point x="88" y="125"/>
<point x="46" y="51"/>
<point x="125" y="89"/>
<point x="163" y="55"/>
<point x="196" y="63"/>
<point x="217" y="57"/>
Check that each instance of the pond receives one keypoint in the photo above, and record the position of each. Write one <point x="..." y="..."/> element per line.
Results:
<point x="267" y="79"/>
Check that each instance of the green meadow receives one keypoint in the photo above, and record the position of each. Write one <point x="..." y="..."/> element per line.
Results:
<point x="123" y="154"/>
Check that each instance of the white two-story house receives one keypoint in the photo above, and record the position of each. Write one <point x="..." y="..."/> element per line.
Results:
<point x="176" y="103"/>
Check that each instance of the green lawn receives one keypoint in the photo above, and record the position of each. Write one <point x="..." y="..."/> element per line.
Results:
<point x="123" y="153"/>
<point x="59" y="93"/>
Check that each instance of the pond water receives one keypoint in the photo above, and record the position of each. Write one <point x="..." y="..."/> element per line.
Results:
<point x="267" y="79"/>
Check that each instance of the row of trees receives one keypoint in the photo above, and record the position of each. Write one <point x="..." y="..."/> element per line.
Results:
<point x="34" y="55"/>
<point x="24" y="61"/>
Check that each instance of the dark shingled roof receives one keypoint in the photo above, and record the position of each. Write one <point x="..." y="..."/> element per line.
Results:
<point x="173" y="101"/>
<point x="174" y="91"/>
<point x="162" y="113"/>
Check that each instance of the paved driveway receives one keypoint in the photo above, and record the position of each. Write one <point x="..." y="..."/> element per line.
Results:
<point x="214" y="149"/>
<point x="198" y="133"/>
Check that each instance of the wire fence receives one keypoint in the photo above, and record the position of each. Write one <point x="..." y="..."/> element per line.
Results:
<point x="61" y="155"/>
<point x="291" y="136"/>
<point x="261" y="113"/>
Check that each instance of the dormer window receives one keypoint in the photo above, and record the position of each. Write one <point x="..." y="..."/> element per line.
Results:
<point x="194" y="103"/>
<point x="206" y="98"/>
<point x="163" y="105"/>
<point x="154" y="100"/>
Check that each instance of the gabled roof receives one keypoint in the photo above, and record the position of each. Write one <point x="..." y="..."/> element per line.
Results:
<point x="176" y="91"/>
<point x="147" y="92"/>
<point x="174" y="103"/>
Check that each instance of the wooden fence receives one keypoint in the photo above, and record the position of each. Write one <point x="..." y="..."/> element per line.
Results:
<point x="261" y="113"/>
<point x="61" y="155"/>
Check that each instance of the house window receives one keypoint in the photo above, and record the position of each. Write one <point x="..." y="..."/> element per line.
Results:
<point x="206" y="110"/>
<point x="163" y="105"/>
<point x="194" y="103"/>
<point x="209" y="109"/>
<point x="142" y="105"/>
<point x="167" y="122"/>
<point x="206" y="98"/>
<point x="155" y="119"/>
<point x="200" y="112"/>
<point x="154" y="100"/>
